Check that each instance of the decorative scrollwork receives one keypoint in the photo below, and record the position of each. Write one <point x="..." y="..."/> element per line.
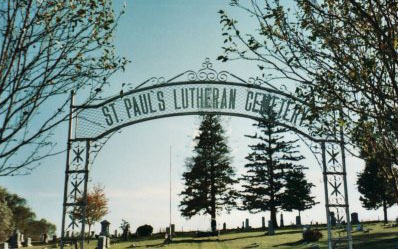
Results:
<point x="255" y="81"/>
<point x="206" y="73"/>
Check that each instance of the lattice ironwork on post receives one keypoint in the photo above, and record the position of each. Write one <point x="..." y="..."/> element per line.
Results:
<point x="336" y="194"/>
<point x="76" y="179"/>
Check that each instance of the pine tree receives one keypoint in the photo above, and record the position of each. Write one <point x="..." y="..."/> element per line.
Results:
<point x="375" y="188"/>
<point x="297" y="194"/>
<point x="269" y="160"/>
<point x="209" y="177"/>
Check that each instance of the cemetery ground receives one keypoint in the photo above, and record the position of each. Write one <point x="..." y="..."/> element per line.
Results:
<point x="377" y="236"/>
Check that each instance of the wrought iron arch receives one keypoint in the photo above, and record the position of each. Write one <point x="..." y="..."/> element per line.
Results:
<point x="205" y="91"/>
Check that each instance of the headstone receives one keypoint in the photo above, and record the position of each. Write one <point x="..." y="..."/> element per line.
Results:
<point x="298" y="221"/>
<point x="167" y="236"/>
<point x="271" y="230"/>
<point x="224" y="226"/>
<point x="45" y="238"/>
<point x="22" y="238"/>
<point x="247" y="224"/>
<point x="92" y="235"/>
<point x="101" y="242"/>
<point x="243" y="225"/>
<point x="108" y="242"/>
<point x="263" y="222"/>
<point x="333" y="220"/>
<point x="105" y="228"/>
<point x="15" y="240"/>
<point x="173" y="232"/>
<point x="28" y="242"/>
<point x="354" y="219"/>
<point x="4" y="245"/>
<point x="54" y="239"/>
<point x="282" y="223"/>
<point x="115" y="234"/>
<point x="67" y="234"/>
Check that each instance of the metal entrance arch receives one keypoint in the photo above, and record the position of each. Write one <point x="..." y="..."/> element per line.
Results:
<point x="205" y="91"/>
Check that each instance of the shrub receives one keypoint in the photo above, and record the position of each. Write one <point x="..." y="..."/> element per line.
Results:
<point x="311" y="235"/>
<point x="145" y="230"/>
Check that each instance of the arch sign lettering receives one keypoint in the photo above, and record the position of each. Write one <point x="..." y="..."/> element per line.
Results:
<point x="205" y="91"/>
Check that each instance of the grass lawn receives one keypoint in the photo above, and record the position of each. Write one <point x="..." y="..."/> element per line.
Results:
<point x="377" y="238"/>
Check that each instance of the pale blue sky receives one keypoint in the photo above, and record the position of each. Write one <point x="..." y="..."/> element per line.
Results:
<point x="164" y="38"/>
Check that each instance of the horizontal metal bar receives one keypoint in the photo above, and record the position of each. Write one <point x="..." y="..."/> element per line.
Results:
<point x="76" y="171"/>
<point x="335" y="173"/>
<point x="337" y="205"/>
<point x="79" y="204"/>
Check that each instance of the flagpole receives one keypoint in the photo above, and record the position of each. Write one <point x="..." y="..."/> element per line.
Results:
<point x="170" y="195"/>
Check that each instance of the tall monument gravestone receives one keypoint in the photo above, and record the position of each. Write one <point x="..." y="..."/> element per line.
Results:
<point x="333" y="220"/>
<point x="104" y="239"/>
<point x="354" y="219"/>
<point x="15" y="240"/>
<point x="282" y="223"/>
<point x="105" y="228"/>
<point x="263" y="222"/>
<point x="173" y="228"/>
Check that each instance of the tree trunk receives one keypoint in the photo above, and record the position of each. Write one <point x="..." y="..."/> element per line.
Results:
<point x="385" y="212"/>
<point x="88" y="236"/>
<point x="213" y="222"/>
<point x="273" y="217"/>
<point x="271" y="184"/>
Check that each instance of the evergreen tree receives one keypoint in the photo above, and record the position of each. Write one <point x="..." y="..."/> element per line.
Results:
<point x="269" y="160"/>
<point x="297" y="194"/>
<point x="375" y="188"/>
<point x="209" y="177"/>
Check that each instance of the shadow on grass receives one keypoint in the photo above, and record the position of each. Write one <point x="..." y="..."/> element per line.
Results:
<point x="296" y="243"/>
<point x="378" y="244"/>
<point x="371" y="236"/>
<point x="199" y="241"/>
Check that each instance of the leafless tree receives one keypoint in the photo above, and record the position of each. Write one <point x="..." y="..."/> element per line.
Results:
<point x="47" y="49"/>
